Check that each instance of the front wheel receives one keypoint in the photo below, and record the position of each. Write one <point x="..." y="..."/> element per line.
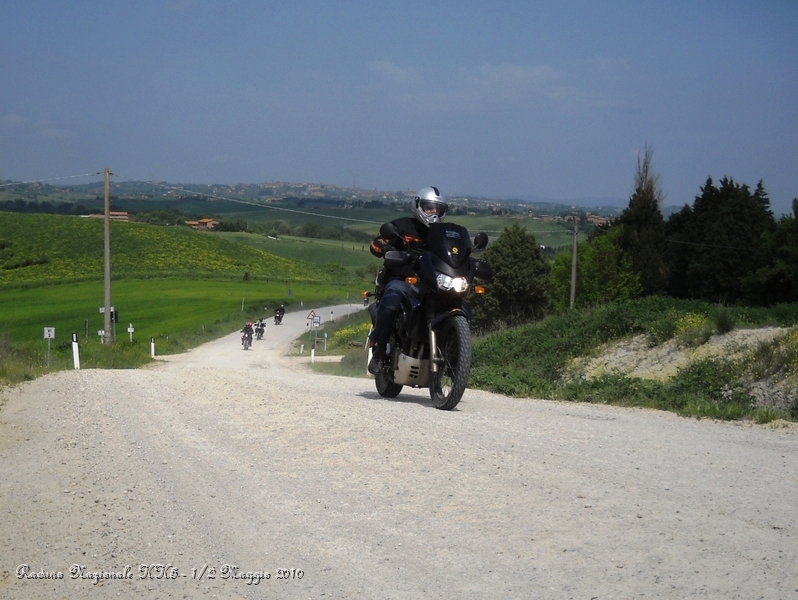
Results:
<point x="454" y="350"/>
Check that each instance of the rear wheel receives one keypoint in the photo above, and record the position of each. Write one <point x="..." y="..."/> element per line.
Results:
<point x="385" y="385"/>
<point x="454" y="350"/>
<point x="383" y="380"/>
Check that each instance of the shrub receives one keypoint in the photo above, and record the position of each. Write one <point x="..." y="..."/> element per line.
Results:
<point x="693" y="329"/>
<point x="724" y="319"/>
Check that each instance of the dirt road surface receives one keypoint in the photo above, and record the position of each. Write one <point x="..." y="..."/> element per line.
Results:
<point x="225" y="466"/>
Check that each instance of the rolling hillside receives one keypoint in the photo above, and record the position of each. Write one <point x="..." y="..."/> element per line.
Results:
<point x="39" y="248"/>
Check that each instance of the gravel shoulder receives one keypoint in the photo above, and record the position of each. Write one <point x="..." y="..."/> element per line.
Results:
<point x="223" y="457"/>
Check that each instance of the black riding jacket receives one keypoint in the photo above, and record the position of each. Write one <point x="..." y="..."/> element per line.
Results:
<point x="412" y="235"/>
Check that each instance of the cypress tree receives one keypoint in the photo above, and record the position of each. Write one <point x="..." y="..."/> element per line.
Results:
<point x="643" y="235"/>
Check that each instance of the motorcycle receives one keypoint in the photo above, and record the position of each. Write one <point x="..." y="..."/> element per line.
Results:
<point x="259" y="332"/>
<point x="246" y="340"/>
<point x="430" y="342"/>
<point x="278" y="318"/>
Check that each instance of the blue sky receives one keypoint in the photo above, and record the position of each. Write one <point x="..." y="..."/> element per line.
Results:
<point x="539" y="99"/>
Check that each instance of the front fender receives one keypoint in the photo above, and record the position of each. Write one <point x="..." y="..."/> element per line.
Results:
<point x="464" y="311"/>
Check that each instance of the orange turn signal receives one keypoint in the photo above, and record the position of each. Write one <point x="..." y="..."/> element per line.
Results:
<point x="479" y="289"/>
<point x="364" y="294"/>
<point x="411" y="280"/>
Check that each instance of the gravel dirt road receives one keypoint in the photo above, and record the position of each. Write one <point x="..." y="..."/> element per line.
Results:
<point x="248" y="459"/>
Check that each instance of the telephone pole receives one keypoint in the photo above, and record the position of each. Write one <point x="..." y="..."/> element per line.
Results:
<point x="573" y="262"/>
<point x="107" y="313"/>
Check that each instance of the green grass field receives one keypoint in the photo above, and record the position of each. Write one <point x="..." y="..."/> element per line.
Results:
<point x="156" y="307"/>
<point x="173" y="284"/>
<point x="315" y="251"/>
<point x="179" y="314"/>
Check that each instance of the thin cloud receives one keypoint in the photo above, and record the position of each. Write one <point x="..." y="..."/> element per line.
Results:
<point x="605" y="64"/>
<point x="43" y="128"/>
<point x="521" y="83"/>
<point x="393" y="73"/>
<point x="12" y="120"/>
<point x="48" y="130"/>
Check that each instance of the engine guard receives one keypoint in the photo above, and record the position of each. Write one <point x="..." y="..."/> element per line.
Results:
<point x="411" y="371"/>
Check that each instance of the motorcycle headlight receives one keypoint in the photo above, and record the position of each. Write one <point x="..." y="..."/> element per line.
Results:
<point x="456" y="284"/>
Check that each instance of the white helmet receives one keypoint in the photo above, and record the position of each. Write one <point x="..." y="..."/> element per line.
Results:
<point x="429" y="206"/>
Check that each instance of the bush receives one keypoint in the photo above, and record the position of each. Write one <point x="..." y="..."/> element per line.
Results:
<point x="693" y="329"/>
<point x="724" y="320"/>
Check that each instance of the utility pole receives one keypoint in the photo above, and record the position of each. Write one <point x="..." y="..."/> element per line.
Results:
<point x="573" y="262"/>
<point x="107" y="313"/>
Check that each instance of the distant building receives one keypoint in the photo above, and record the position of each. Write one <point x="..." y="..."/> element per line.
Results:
<point x="115" y="215"/>
<point x="203" y="224"/>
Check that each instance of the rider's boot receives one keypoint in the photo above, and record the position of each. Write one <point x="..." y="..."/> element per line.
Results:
<point x="377" y="358"/>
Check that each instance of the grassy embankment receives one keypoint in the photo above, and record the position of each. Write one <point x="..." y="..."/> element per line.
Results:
<point x="537" y="361"/>
<point x="178" y="286"/>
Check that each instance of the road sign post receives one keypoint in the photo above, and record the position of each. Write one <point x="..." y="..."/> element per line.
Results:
<point x="49" y="334"/>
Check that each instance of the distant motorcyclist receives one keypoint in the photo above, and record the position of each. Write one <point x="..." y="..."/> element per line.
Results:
<point x="260" y="327"/>
<point x="428" y="206"/>
<point x="247" y="332"/>
<point x="279" y="312"/>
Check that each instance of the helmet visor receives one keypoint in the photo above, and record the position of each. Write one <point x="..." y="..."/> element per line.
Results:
<point x="433" y="208"/>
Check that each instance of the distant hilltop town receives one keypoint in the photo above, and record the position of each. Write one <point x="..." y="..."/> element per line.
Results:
<point x="13" y="196"/>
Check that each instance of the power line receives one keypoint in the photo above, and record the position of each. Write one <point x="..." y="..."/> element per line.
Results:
<point x="51" y="179"/>
<point x="248" y="202"/>
<point x="672" y="241"/>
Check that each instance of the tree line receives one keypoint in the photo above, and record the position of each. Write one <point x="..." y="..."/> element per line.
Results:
<point x="726" y="248"/>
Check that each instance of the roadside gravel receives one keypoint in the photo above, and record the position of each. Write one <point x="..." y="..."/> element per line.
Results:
<point x="225" y="457"/>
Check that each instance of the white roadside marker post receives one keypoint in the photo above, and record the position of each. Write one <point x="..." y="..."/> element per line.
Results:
<point x="75" y="352"/>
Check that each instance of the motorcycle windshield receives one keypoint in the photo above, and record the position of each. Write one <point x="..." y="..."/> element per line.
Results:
<point x="450" y="243"/>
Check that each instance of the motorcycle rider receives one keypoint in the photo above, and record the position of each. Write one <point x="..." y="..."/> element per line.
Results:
<point x="279" y="312"/>
<point x="247" y="331"/>
<point x="428" y="206"/>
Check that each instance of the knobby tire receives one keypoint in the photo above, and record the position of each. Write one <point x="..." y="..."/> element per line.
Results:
<point x="383" y="380"/>
<point x="454" y="348"/>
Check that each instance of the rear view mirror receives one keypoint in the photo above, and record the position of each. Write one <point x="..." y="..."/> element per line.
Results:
<point x="481" y="240"/>
<point x="388" y="231"/>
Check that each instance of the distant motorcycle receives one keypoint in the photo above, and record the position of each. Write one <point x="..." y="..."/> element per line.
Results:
<point x="246" y="340"/>
<point x="278" y="318"/>
<point x="259" y="332"/>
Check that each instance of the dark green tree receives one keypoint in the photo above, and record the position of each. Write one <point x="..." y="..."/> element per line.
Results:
<point x="715" y="247"/>
<point x="777" y="280"/>
<point x="517" y="293"/>
<point x="643" y="229"/>
<point x="604" y="274"/>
